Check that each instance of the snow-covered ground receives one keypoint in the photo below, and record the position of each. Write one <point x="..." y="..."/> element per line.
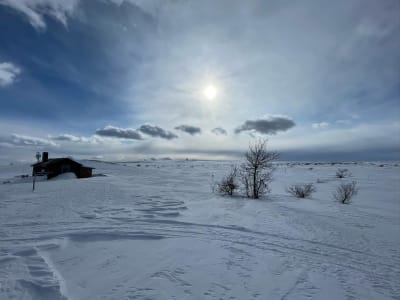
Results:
<point x="155" y="230"/>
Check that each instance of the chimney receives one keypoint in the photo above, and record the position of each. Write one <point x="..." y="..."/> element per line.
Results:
<point x="45" y="156"/>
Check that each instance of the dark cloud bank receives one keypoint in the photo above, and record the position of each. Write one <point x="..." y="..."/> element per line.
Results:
<point x="270" y="125"/>
<point x="156" y="131"/>
<point x="126" y="133"/>
<point x="219" y="131"/>
<point x="135" y="134"/>
<point x="192" y="130"/>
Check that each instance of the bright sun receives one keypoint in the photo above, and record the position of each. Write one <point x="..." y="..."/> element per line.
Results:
<point x="210" y="92"/>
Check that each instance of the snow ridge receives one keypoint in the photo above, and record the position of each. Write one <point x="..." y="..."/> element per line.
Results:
<point x="30" y="274"/>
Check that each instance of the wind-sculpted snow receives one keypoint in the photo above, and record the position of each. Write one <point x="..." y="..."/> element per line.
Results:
<point x="155" y="230"/>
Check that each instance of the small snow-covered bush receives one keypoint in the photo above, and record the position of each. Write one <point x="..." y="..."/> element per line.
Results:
<point x="301" y="190"/>
<point x="228" y="184"/>
<point x="345" y="192"/>
<point x="343" y="173"/>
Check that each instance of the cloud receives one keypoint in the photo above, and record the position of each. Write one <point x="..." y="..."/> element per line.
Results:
<point x="320" y="125"/>
<point x="8" y="73"/>
<point x="271" y="125"/>
<point x="65" y="137"/>
<point x="219" y="131"/>
<point x="192" y="130"/>
<point x="355" y="116"/>
<point x="325" y="125"/>
<point x="35" y="10"/>
<point x="360" y="138"/>
<point x="156" y="131"/>
<point x="76" y="139"/>
<point x="24" y="140"/>
<point x="129" y="133"/>
<point x="125" y="133"/>
<point x="343" y="122"/>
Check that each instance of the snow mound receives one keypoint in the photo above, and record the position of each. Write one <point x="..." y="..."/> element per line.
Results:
<point x="68" y="175"/>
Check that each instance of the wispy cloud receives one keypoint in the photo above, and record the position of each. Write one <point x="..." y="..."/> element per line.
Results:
<point x="25" y="140"/>
<point x="270" y="125"/>
<point x="326" y="125"/>
<point x="343" y="122"/>
<point x="155" y="131"/>
<point x="117" y="132"/>
<point x="76" y="139"/>
<point x="65" y="137"/>
<point x="8" y="73"/>
<point x="35" y="10"/>
<point x="320" y="125"/>
<point x="192" y="130"/>
<point x="219" y="131"/>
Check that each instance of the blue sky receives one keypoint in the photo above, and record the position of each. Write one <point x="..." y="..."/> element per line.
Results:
<point x="131" y="79"/>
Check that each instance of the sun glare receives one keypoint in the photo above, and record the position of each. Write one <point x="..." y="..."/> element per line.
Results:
<point x="210" y="92"/>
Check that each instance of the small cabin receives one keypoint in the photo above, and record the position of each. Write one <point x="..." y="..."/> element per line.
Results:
<point x="56" y="166"/>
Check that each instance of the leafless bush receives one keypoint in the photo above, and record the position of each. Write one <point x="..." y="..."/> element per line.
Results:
<point x="258" y="187"/>
<point x="301" y="191"/>
<point x="345" y="192"/>
<point x="228" y="184"/>
<point x="343" y="173"/>
<point x="256" y="171"/>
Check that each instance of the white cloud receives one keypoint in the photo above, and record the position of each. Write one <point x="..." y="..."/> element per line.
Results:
<point x="321" y="125"/>
<point x="24" y="140"/>
<point x="343" y="122"/>
<point x="358" y="138"/>
<point x="150" y="6"/>
<point x="35" y="10"/>
<point x="76" y="139"/>
<point x="379" y="25"/>
<point x="326" y="125"/>
<point x="8" y="73"/>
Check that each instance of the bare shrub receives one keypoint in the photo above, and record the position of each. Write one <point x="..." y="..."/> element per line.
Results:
<point x="228" y="184"/>
<point x="301" y="190"/>
<point x="256" y="171"/>
<point x="343" y="173"/>
<point x="345" y="192"/>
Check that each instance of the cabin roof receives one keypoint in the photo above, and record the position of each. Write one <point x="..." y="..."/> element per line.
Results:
<point x="54" y="161"/>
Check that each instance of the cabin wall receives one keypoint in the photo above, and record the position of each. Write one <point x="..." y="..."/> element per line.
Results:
<point x="85" y="172"/>
<point x="63" y="166"/>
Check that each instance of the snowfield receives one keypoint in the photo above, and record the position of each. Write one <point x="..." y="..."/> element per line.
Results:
<point x="155" y="230"/>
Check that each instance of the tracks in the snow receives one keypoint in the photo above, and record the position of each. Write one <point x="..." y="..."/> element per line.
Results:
<point x="308" y="253"/>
